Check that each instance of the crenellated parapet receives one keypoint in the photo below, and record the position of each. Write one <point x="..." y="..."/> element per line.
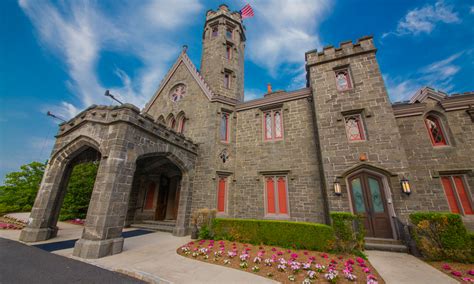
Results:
<point x="223" y="10"/>
<point x="129" y="114"/>
<point x="346" y="49"/>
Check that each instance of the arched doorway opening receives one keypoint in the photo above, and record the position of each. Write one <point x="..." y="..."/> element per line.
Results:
<point x="155" y="193"/>
<point x="369" y="196"/>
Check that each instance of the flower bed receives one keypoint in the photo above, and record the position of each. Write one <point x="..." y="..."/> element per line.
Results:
<point x="76" y="221"/>
<point x="10" y="223"/>
<point x="460" y="271"/>
<point x="283" y="265"/>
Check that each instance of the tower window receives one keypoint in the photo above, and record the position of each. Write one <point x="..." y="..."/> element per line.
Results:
<point x="224" y="127"/>
<point x="343" y="80"/>
<point x="435" y="131"/>
<point x="228" y="52"/>
<point x="354" y="128"/>
<point x="227" y="76"/>
<point x="215" y="31"/>
<point x="229" y="33"/>
<point x="273" y="125"/>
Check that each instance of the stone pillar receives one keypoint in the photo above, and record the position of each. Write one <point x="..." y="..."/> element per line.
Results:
<point x="42" y="223"/>
<point x="102" y="235"/>
<point x="184" y="209"/>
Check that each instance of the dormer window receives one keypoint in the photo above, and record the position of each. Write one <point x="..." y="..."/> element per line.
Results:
<point x="435" y="131"/>
<point x="343" y="80"/>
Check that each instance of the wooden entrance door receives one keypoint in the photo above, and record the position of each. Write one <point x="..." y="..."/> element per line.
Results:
<point x="368" y="200"/>
<point x="162" y="200"/>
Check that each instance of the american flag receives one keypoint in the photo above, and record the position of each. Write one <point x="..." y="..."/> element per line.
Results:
<point x="246" y="11"/>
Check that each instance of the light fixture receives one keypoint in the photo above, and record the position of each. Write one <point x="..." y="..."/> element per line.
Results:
<point x="405" y="186"/>
<point x="337" y="188"/>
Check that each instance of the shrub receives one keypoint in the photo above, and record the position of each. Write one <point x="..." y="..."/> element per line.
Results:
<point x="202" y="221"/>
<point x="348" y="230"/>
<point x="442" y="236"/>
<point x="298" y="235"/>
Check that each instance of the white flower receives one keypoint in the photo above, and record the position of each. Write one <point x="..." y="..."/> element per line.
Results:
<point x="311" y="274"/>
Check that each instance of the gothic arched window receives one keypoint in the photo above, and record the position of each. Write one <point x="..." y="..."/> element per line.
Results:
<point x="178" y="92"/>
<point x="435" y="131"/>
<point x="354" y="128"/>
<point x="343" y="80"/>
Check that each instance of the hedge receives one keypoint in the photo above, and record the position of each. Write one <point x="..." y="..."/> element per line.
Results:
<point x="348" y="230"/>
<point x="297" y="235"/>
<point x="442" y="236"/>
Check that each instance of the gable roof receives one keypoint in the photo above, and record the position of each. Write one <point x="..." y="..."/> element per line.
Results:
<point x="183" y="58"/>
<point x="427" y="92"/>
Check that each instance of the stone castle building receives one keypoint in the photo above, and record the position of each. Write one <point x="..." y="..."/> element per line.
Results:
<point x="336" y="145"/>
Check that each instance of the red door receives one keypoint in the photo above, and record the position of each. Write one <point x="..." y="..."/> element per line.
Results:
<point x="368" y="200"/>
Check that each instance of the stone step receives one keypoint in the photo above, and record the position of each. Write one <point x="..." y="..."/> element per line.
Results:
<point x="386" y="247"/>
<point x="383" y="241"/>
<point x="170" y="223"/>
<point x="153" y="227"/>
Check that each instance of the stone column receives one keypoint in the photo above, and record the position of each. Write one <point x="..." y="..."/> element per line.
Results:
<point x="102" y="235"/>
<point x="184" y="209"/>
<point x="42" y="223"/>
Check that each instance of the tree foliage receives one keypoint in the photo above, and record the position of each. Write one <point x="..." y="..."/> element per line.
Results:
<point x="20" y="189"/>
<point x="79" y="191"/>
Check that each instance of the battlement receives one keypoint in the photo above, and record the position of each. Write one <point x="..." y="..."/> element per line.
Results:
<point x="130" y="114"/>
<point x="223" y="10"/>
<point x="347" y="48"/>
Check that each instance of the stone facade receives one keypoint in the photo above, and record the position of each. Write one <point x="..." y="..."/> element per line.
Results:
<point x="197" y="139"/>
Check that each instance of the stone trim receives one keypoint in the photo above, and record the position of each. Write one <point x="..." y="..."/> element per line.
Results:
<point x="275" y="99"/>
<point x="448" y="103"/>
<point x="405" y="110"/>
<point x="427" y="92"/>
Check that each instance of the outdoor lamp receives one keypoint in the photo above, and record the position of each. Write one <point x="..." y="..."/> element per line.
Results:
<point x="337" y="188"/>
<point x="405" y="186"/>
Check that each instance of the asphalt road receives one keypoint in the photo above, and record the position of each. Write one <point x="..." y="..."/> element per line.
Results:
<point x="20" y="263"/>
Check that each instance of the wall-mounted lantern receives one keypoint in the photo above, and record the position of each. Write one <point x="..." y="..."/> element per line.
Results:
<point x="405" y="183"/>
<point x="337" y="188"/>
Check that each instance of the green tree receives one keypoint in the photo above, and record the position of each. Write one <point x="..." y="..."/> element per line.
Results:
<point x="20" y="189"/>
<point x="79" y="191"/>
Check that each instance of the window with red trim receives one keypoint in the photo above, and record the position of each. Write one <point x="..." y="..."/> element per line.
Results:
<point x="228" y="52"/>
<point x="182" y="122"/>
<point x="457" y="194"/>
<point x="273" y="125"/>
<point x="222" y="195"/>
<point x="224" y="127"/>
<point x="276" y="195"/>
<point x="435" y="131"/>
<point x="227" y="79"/>
<point x="354" y="127"/>
<point x="343" y="80"/>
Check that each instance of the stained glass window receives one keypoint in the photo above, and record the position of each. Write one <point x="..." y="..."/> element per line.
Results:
<point x="178" y="92"/>
<point x="435" y="131"/>
<point x="273" y="125"/>
<point x="225" y="127"/>
<point x="354" y="128"/>
<point x="358" y="196"/>
<point x="376" y="195"/>
<point x="343" y="81"/>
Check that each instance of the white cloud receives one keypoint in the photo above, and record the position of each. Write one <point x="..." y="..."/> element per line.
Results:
<point x="438" y="75"/>
<point x="471" y="10"/>
<point x="425" y="19"/>
<point x="78" y="31"/>
<point x="282" y="31"/>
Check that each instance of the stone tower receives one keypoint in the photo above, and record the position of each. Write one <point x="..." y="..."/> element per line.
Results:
<point x="222" y="62"/>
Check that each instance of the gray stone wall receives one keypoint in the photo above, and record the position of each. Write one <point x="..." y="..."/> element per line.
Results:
<point x="383" y="147"/>
<point x="296" y="152"/>
<point x="427" y="162"/>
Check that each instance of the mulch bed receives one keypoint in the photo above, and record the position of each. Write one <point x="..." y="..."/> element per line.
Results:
<point x="9" y="223"/>
<point x="222" y="253"/>
<point x="460" y="271"/>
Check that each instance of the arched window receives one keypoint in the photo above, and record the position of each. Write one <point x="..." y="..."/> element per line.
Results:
<point x="181" y="119"/>
<point x="433" y="124"/>
<point x="343" y="80"/>
<point x="171" y="121"/>
<point x="161" y="120"/>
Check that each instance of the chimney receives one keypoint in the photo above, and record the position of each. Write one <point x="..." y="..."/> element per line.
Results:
<point x="269" y="88"/>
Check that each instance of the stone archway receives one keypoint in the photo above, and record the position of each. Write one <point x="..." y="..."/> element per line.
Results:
<point x="122" y="136"/>
<point x="45" y="212"/>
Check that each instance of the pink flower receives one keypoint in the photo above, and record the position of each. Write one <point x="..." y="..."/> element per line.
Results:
<point x="294" y="256"/>
<point x="471" y="272"/>
<point x="456" y="273"/>
<point x="323" y="255"/>
<point x="280" y="253"/>
<point x="274" y="249"/>
<point x="350" y="261"/>
<point x="366" y="270"/>
<point x="360" y="260"/>
<point x="260" y="253"/>
<point x="467" y="279"/>
<point x="446" y="266"/>
<point x="305" y="253"/>
<point x="339" y="257"/>
<point x="333" y="261"/>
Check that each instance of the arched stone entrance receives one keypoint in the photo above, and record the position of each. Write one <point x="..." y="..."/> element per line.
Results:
<point x="122" y="137"/>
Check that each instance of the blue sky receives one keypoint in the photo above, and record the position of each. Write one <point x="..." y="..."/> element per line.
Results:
<point x="62" y="55"/>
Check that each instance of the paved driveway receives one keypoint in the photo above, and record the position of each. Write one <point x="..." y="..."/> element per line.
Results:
<point x="25" y="264"/>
